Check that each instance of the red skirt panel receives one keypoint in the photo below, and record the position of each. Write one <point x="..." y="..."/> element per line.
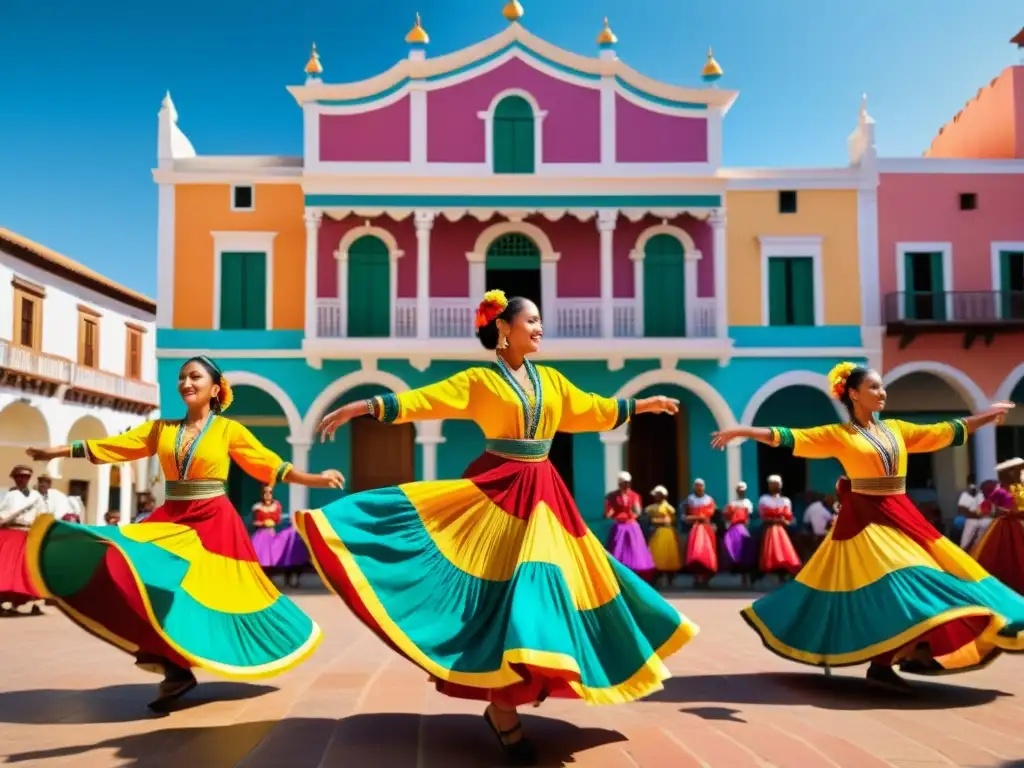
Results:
<point x="15" y="586"/>
<point x="777" y="551"/>
<point x="702" y="550"/>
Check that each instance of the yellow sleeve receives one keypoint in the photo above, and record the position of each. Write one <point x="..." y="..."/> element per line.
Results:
<point x="253" y="457"/>
<point x="448" y="399"/>
<point x="138" y="443"/>
<point x="587" y="412"/>
<point x="925" y="438"/>
<point x="814" y="443"/>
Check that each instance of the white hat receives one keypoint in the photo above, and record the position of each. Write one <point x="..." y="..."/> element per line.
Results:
<point x="1009" y="464"/>
<point x="741" y="486"/>
<point x="659" y="489"/>
<point x="625" y="477"/>
<point x="698" y="481"/>
<point x="774" y="479"/>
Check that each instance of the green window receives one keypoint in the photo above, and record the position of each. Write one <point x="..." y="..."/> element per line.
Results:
<point x="243" y="291"/>
<point x="925" y="293"/>
<point x="1011" y="284"/>
<point x="664" y="287"/>
<point x="790" y="290"/>
<point x="513" y="251"/>
<point x="513" y="136"/>
<point x="369" y="288"/>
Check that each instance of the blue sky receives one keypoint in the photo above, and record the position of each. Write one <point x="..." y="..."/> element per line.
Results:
<point x="81" y="84"/>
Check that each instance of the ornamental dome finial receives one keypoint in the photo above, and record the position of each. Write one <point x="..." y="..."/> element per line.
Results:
<point x="417" y="35"/>
<point x="607" y="37"/>
<point x="313" y="67"/>
<point x="712" y="70"/>
<point x="513" y="11"/>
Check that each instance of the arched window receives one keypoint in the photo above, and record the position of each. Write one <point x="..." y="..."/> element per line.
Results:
<point x="369" y="288"/>
<point x="514" y="146"/>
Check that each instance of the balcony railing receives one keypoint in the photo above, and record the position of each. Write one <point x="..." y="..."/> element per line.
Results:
<point x="954" y="308"/>
<point x="35" y="365"/>
<point x="112" y="385"/>
<point x="574" y="319"/>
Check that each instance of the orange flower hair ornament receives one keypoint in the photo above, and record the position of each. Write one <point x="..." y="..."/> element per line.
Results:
<point x="837" y="379"/>
<point x="493" y="304"/>
<point x="225" y="397"/>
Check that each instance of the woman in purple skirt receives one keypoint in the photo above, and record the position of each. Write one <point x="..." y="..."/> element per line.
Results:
<point x="740" y="547"/>
<point x="278" y="551"/>
<point x="626" y="541"/>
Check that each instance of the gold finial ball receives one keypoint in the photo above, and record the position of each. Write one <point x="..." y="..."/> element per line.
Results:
<point x="712" y="70"/>
<point x="417" y="35"/>
<point x="607" y="37"/>
<point x="513" y="11"/>
<point x="313" y="66"/>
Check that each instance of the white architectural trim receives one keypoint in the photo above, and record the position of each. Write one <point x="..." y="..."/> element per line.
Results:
<point x="701" y="388"/>
<point x="998" y="247"/>
<point x="165" y="257"/>
<point x="238" y="241"/>
<point x="973" y="396"/>
<point x="312" y="219"/>
<point x="341" y="254"/>
<point x="252" y="207"/>
<point x="868" y="258"/>
<point x="680" y="234"/>
<point x="691" y="255"/>
<point x="240" y="378"/>
<point x="949" y="165"/>
<point x="538" y="127"/>
<point x="493" y="232"/>
<point x="428" y="436"/>
<point x="817" y="381"/>
<point x="1005" y="390"/>
<point x="946" y="249"/>
<point x="793" y="246"/>
<point x="340" y="386"/>
<point x="609" y="123"/>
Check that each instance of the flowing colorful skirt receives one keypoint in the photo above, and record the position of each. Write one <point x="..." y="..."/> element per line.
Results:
<point x="282" y="550"/>
<point x="627" y="545"/>
<point x="883" y="582"/>
<point x="702" y="550"/>
<point x="1001" y="550"/>
<point x="740" y="549"/>
<point x="778" y="555"/>
<point x="184" y="586"/>
<point x="666" y="548"/>
<point x="15" y="585"/>
<point x="495" y="587"/>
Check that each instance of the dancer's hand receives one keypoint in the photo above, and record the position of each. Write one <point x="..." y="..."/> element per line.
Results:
<point x="332" y="479"/>
<point x="658" y="404"/>
<point x="42" y="454"/>
<point x="335" y="420"/>
<point x="723" y="437"/>
<point x="1003" y="406"/>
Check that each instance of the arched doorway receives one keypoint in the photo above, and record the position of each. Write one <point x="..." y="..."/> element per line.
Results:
<point x="369" y="288"/>
<point x="513" y="266"/>
<point x="937" y="478"/>
<point x="262" y="415"/>
<point x="1010" y="434"/>
<point x="664" y="287"/>
<point x="81" y="478"/>
<point x="21" y="427"/>
<point x="370" y="454"/>
<point x="513" y="136"/>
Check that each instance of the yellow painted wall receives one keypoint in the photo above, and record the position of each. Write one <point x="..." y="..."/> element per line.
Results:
<point x="830" y="214"/>
<point x="200" y="209"/>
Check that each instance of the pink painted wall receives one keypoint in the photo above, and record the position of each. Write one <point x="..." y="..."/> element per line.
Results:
<point x="643" y="136"/>
<point x="991" y="124"/>
<point x="381" y="135"/>
<point x="626" y="234"/>
<point x="988" y="366"/>
<point x="572" y="128"/>
<point x="332" y="231"/>
<point x="450" y="241"/>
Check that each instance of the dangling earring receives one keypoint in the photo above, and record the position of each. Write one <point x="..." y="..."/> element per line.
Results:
<point x="503" y="342"/>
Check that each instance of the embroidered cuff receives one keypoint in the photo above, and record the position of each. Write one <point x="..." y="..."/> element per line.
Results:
<point x="387" y="408"/>
<point x="282" y="472"/>
<point x="78" y="450"/>
<point x="782" y="437"/>
<point x="627" y="410"/>
<point x="959" y="432"/>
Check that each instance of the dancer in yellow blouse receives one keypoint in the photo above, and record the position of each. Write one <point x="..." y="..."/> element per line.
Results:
<point x="666" y="544"/>
<point x="493" y="584"/>
<point x="885" y="587"/>
<point x="184" y="588"/>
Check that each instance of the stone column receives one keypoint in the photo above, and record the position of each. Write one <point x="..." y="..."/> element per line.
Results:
<point x="98" y="503"/>
<point x="424" y="224"/>
<point x="984" y="455"/>
<point x="312" y="219"/>
<point x="428" y="437"/>
<point x="614" y="445"/>
<point x="606" y="226"/>
<point x="298" y="495"/>
<point x="127" y="493"/>
<point x="717" y="222"/>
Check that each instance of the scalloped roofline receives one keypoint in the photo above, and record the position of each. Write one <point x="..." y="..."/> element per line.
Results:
<point x="519" y="41"/>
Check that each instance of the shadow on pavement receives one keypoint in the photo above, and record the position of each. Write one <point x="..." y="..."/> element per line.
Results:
<point x="452" y="741"/>
<point x="838" y="692"/>
<point x="114" y="704"/>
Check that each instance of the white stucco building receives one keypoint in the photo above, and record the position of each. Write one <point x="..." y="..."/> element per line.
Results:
<point x="77" y="361"/>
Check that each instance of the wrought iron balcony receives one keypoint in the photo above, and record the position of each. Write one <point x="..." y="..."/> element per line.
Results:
<point x="975" y="314"/>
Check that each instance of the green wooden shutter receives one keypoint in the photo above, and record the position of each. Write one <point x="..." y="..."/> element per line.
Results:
<point x="664" y="288"/>
<point x="232" y="291"/>
<point x="369" y="288"/>
<point x="513" y="134"/>
<point x="801" y="291"/>
<point x="938" y="287"/>
<point x="909" y="295"/>
<point x="778" y="292"/>
<point x="1011" y="284"/>
<point x="513" y="251"/>
<point x="255" y="293"/>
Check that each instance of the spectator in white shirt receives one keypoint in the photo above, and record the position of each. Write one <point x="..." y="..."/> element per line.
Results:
<point x="976" y="519"/>
<point x="818" y="517"/>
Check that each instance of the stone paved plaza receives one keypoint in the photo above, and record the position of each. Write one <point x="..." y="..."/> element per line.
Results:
<point x="67" y="699"/>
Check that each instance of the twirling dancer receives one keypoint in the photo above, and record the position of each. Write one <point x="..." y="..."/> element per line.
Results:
<point x="18" y="509"/>
<point x="885" y="587"/>
<point x="278" y="551"/>
<point x="740" y="547"/>
<point x="493" y="584"/>
<point x="182" y="589"/>
<point x="666" y="545"/>
<point x="1001" y="549"/>
<point x="777" y="555"/>
<point x="702" y="543"/>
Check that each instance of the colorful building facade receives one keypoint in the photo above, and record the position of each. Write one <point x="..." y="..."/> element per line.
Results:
<point x="951" y="274"/>
<point x="572" y="180"/>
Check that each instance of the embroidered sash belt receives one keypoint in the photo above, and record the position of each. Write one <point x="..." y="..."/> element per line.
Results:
<point x="193" y="490"/>
<point x="879" y="486"/>
<point x="519" y="450"/>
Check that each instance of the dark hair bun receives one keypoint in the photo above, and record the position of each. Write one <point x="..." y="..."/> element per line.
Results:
<point x="488" y="334"/>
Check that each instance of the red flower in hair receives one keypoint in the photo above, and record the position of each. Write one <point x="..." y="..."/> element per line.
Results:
<point x="493" y="304"/>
